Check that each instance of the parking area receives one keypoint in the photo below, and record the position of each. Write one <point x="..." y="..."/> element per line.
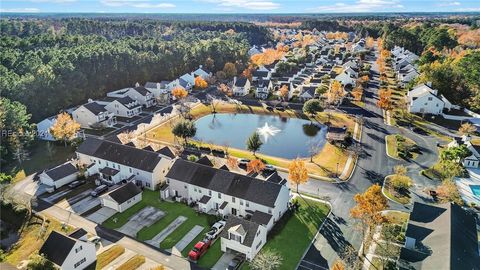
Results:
<point x="222" y="263"/>
<point x="183" y="243"/>
<point x="145" y="218"/>
<point x="101" y="215"/>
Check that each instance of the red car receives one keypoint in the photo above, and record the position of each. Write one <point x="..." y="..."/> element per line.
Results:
<point x="199" y="249"/>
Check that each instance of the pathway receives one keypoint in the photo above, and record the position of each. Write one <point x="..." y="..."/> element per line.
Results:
<point x="157" y="239"/>
<point x="183" y="243"/>
<point x="145" y="218"/>
<point x="371" y="249"/>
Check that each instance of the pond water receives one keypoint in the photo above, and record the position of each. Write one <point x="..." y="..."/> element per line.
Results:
<point x="282" y="137"/>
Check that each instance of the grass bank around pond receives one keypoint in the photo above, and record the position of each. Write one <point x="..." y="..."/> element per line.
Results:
<point x="395" y="141"/>
<point x="392" y="194"/>
<point x="295" y="237"/>
<point x="324" y="163"/>
<point x="39" y="159"/>
<point x="172" y="211"/>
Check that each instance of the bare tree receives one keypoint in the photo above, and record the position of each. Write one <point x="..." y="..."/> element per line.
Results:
<point x="313" y="148"/>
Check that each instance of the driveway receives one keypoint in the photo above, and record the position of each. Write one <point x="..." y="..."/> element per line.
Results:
<point x="157" y="239"/>
<point x="183" y="243"/>
<point x="84" y="205"/>
<point x="101" y="215"/>
<point x="145" y="218"/>
<point x="222" y="263"/>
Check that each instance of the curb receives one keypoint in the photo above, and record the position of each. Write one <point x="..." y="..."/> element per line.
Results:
<point x="386" y="148"/>
<point x="388" y="198"/>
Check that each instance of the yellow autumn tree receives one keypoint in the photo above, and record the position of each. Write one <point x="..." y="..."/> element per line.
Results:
<point x="384" y="99"/>
<point x="255" y="165"/>
<point x="64" y="128"/>
<point x="297" y="172"/>
<point x="467" y="129"/>
<point x="179" y="93"/>
<point x="357" y="93"/>
<point x="335" y="93"/>
<point x="370" y="42"/>
<point x="200" y="83"/>
<point x="284" y="91"/>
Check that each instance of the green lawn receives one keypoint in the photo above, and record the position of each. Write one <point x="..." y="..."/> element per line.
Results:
<point x="211" y="257"/>
<point x="295" y="237"/>
<point x="392" y="194"/>
<point x="392" y="149"/>
<point x="172" y="210"/>
<point x="39" y="159"/>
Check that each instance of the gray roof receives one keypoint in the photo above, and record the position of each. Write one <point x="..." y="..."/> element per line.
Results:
<point x="205" y="199"/>
<point x="122" y="154"/>
<point x="205" y="161"/>
<point x="250" y="228"/>
<point x="260" y="73"/>
<point x="230" y="183"/>
<point x="240" y="82"/>
<point x="57" y="247"/>
<point x="142" y="90"/>
<point x="125" y="192"/>
<point x="95" y="108"/>
<point x="128" y="102"/>
<point x="448" y="231"/>
<point x="166" y="151"/>
<point x="261" y="218"/>
<point x="150" y="85"/>
<point x="109" y="171"/>
<point x="61" y="171"/>
<point x="78" y="233"/>
<point x="183" y="82"/>
<point x="309" y="89"/>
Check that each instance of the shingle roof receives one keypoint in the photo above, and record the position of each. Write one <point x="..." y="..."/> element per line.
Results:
<point x="150" y="85"/>
<point x="127" y="102"/>
<point x="94" y="107"/>
<point x="61" y="171"/>
<point x="249" y="227"/>
<point x="78" y="233"/>
<point x="57" y="247"/>
<point x="125" y="192"/>
<point x="448" y="231"/>
<point x="240" y="82"/>
<point x="205" y="161"/>
<point x="118" y="153"/>
<point x="230" y="183"/>
<point x="224" y="167"/>
<point x="261" y="218"/>
<point x="142" y="90"/>
<point x="260" y="73"/>
<point x="166" y="151"/>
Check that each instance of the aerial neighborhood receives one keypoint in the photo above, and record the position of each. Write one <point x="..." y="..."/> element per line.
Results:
<point x="250" y="141"/>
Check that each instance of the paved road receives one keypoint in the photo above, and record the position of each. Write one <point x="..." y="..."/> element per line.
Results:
<point x="373" y="165"/>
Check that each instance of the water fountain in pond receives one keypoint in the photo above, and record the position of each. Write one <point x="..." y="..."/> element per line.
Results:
<point x="267" y="131"/>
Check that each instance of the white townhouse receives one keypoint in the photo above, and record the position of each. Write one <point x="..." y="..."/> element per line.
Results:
<point x="122" y="198"/>
<point x="226" y="193"/>
<point x="138" y="93"/>
<point x="93" y="115"/>
<point x="472" y="161"/>
<point x="124" y="107"/>
<point x="59" y="176"/>
<point x="424" y="99"/>
<point x="261" y="75"/>
<point x="241" y="86"/>
<point x="69" y="251"/>
<point x="263" y="88"/>
<point x="113" y="163"/>
<point x="160" y="90"/>
<point x="243" y="236"/>
<point x="43" y="128"/>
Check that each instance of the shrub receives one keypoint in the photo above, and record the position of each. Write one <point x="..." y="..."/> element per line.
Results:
<point x="192" y="158"/>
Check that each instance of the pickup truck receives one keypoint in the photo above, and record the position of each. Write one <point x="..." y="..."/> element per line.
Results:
<point x="199" y="249"/>
<point x="216" y="229"/>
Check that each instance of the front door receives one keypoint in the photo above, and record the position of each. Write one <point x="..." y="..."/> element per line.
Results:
<point x="234" y="211"/>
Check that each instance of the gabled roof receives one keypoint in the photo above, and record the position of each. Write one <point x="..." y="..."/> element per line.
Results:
<point x="241" y="82"/>
<point x="142" y="90"/>
<point x="150" y="85"/>
<point x="260" y="73"/>
<point x="310" y="90"/>
<point x="57" y="247"/>
<point x="448" y="231"/>
<point x="118" y="153"/>
<point x="125" y="192"/>
<point x="261" y="218"/>
<point x="148" y="148"/>
<point x="229" y="183"/>
<point x="128" y="102"/>
<point x="183" y="82"/>
<point x="78" y="233"/>
<point x="166" y="151"/>
<point x="224" y="167"/>
<point x="94" y="108"/>
<point x="205" y="161"/>
<point x="61" y="171"/>
<point x="247" y="228"/>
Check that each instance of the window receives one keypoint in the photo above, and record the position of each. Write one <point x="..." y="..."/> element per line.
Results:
<point x="130" y="169"/>
<point x="219" y="195"/>
<point x="99" y="162"/>
<point x="270" y="211"/>
<point x="241" y="202"/>
<point x="80" y="262"/>
<point x="195" y="189"/>
<point x="235" y="237"/>
<point x="185" y="187"/>
<point x="430" y="98"/>
<point x="147" y="184"/>
<point x="78" y="249"/>
<point x="233" y="199"/>
<point x="258" y="245"/>
<point x="247" y="204"/>
<point x="209" y="193"/>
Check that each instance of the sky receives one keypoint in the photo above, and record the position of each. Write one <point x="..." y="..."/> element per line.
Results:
<point x="237" y="6"/>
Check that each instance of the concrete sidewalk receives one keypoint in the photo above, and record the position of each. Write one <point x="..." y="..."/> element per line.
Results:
<point x="145" y="218"/>
<point x="183" y="243"/>
<point x="157" y="239"/>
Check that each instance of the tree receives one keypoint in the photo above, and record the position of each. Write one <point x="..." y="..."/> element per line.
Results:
<point x="455" y="154"/>
<point x="247" y="73"/>
<point x="200" y="83"/>
<point x="357" y="93"/>
<point x="335" y="93"/>
<point x="39" y="262"/>
<point x="297" y="172"/>
<point x="225" y="89"/>
<point x="321" y="89"/>
<point x="254" y="142"/>
<point x="467" y="129"/>
<point x="232" y="162"/>
<point x="384" y="99"/>
<point x="266" y="260"/>
<point x="184" y="129"/>
<point x="230" y="70"/>
<point x="399" y="180"/>
<point x="283" y="92"/>
<point x="311" y="107"/>
<point x="448" y="192"/>
<point x="179" y="93"/>
<point x="64" y="128"/>
<point x="255" y="165"/>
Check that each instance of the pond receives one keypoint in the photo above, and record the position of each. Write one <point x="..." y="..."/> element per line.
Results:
<point x="282" y="137"/>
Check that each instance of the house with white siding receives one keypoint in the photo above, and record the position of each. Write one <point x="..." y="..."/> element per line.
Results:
<point x="93" y="115"/>
<point x="59" y="176"/>
<point x="243" y="236"/>
<point x="263" y="88"/>
<point x="241" y="86"/>
<point x="426" y="100"/>
<point x="124" y="107"/>
<point x="122" y="198"/>
<point x="138" y="93"/>
<point x="112" y="163"/>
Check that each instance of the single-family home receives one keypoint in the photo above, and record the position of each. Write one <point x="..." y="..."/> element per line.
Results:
<point x="261" y="74"/>
<point x="244" y="236"/>
<point x="160" y="90"/>
<point x="263" y="87"/>
<point x="241" y="86"/>
<point x="407" y="76"/>
<point x="93" y="115"/>
<point x="124" y="107"/>
<point x="223" y="192"/>
<point x="200" y="71"/>
<point x="424" y="99"/>
<point x="43" y="128"/>
<point x="113" y="162"/>
<point x="308" y="92"/>
<point x="138" y="93"/>
<point x="472" y="161"/>
<point x="441" y="236"/>
<point x="67" y="252"/>
<point x="59" y="176"/>
<point x="346" y="80"/>
<point x="122" y="198"/>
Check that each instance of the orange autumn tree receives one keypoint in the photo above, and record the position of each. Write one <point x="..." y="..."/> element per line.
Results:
<point x="384" y="99"/>
<point x="232" y="162"/>
<point x="335" y="93"/>
<point x="255" y="165"/>
<point x="64" y="128"/>
<point x="283" y="91"/>
<point x="370" y="42"/>
<point x="357" y="93"/>
<point x="225" y="89"/>
<point x="247" y="73"/>
<point x="200" y="83"/>
<point x="297" y="172"/>
<point x="179" y="93"/>
<point x="338" y="265"/>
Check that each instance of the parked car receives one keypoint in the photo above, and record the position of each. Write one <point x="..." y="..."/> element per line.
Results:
<point x="94" y="239"/>
<point x="99" y="190"/>
<point x="199" y="249"/>
<point x="243" y="161"/>
<point x="216" y="229"/>
<point x="236" y="262"/>
<point x="77" y="183"/>
<point x="269" y="168"/>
